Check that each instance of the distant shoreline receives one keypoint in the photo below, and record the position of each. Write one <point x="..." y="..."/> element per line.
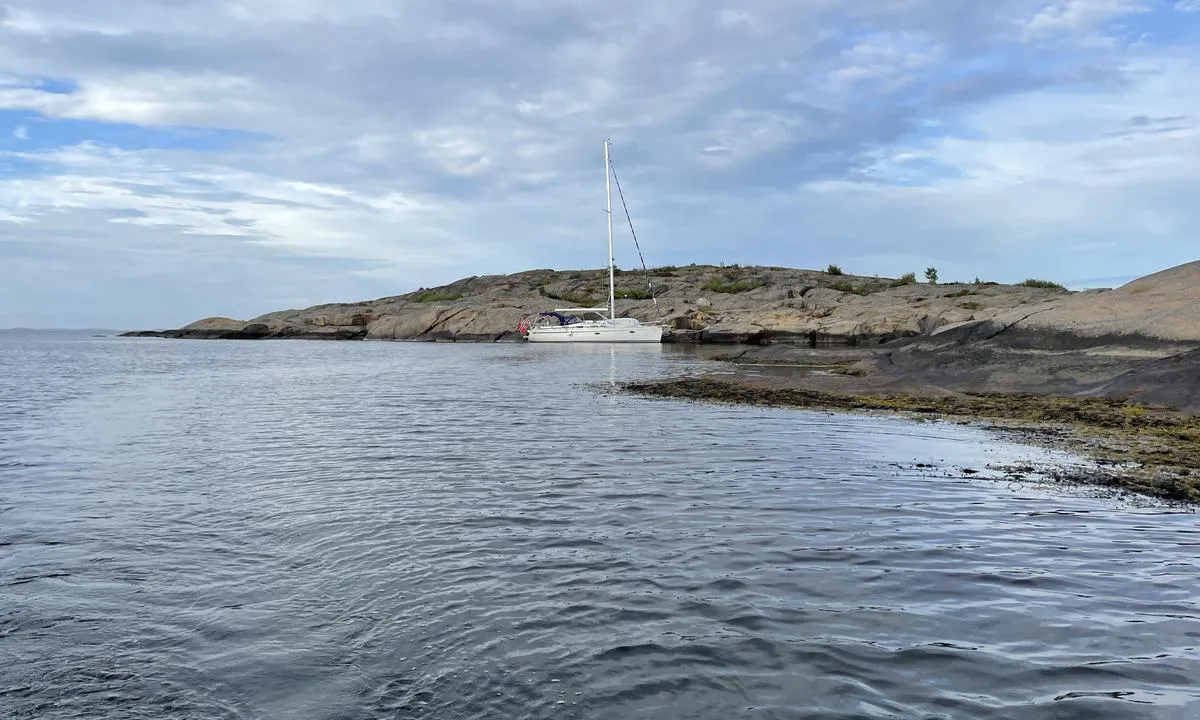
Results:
<point x="28" y="331"/>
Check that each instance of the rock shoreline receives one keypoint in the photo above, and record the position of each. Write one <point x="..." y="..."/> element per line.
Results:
<point x="1113" y="376"/>
<point x="1150" y="451"/>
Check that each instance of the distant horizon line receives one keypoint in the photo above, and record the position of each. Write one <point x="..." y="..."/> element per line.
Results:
<point x="58" y="329"/>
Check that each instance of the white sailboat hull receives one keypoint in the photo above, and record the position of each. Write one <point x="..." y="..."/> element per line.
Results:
<point x="597" y="333"/>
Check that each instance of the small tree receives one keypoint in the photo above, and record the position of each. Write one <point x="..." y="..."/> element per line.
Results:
<point x="833" y="270"/>
<point x="931" y="275"/>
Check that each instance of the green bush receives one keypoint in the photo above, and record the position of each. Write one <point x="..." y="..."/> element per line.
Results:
<point x="847" y="287"/>
<point x="833" y="270"/>
<point x="628" y="294"/>
<point x="905" y="279"/>
<point x="1043" y="284"/>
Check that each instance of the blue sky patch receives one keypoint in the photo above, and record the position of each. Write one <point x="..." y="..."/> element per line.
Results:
<point x="56" y="86"/>
<point x="917" y="172"/>
<point x="28" y="131"/>
<point x="16" y="167"/>
<point x="1162" y="25"/>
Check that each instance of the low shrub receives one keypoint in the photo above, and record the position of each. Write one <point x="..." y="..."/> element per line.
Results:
<point x="847" y="287"/>
<point x="435" y="296"/>
<point x="1043" y="284"/>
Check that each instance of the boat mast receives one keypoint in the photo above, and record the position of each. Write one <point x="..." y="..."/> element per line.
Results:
<point x="612" y="301"/>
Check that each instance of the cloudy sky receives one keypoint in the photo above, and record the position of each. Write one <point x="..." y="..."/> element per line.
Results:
<point x="165" y="160"/>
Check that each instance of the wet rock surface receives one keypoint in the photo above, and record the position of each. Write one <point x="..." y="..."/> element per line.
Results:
<point x="1148" y="450"/>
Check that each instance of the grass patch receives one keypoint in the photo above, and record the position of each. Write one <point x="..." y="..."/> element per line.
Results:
<point x="905" y="279"/>
<point x="972" y="306"/>
<point x="720" y="285"/>
<point x="629" y="294"/>
<point x="960" y="293"/>
<point x="664" y="271"/>
<point x="429" y="296"/>
<point x="1132" y="412"/>
<point x="1043" y="284"/>
<point x="847" y="287"/>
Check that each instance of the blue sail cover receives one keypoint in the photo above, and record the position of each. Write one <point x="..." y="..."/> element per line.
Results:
<point x="562" y="319"/>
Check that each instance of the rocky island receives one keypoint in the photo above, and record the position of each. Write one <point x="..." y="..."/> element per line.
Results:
<point x="698" y="303"/>
<point x="1114" y="373"/>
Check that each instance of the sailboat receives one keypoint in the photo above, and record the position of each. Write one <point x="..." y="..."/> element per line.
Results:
<point x="593" y="324"/>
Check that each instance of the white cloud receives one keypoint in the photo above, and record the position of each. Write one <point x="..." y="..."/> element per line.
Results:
<point x="1087" y="139"/>
<point x="739" y="135"/>
<point x="1079" y="17"/>
<point x="21" y="132"/>
<point x="1188" y="6"/>
<point x="738" y="19"/>
<point x="419" y="142"/>
<point x="141" y="188"/>
<point x="1076" y="181"/>
<point x="893" y="60"/>
<point x="147" y="98"/>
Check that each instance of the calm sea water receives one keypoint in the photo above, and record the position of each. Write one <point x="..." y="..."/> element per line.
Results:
<point x="384" y="530"/>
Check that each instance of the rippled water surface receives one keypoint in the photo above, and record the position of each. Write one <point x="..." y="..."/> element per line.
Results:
<point x="386" y="530"/>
